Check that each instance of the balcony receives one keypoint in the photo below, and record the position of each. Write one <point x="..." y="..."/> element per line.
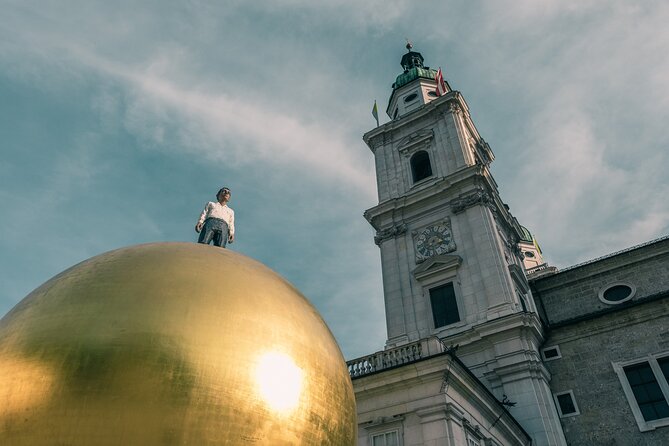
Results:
<point x="395" y="357"/>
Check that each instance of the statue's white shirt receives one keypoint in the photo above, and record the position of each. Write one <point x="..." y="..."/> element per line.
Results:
<point x="214" y="209"/>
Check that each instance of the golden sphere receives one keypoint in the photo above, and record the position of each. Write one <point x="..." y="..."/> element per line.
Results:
<point x="171" y="344"/>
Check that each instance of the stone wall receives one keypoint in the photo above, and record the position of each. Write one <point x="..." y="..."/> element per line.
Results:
<point x="592" y="336"/>
<point x="573" y="293"/>
<point x="433" y="402"/>
<point x="588" y="349"/>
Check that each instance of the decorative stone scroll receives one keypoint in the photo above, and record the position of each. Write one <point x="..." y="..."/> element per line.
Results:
<point x="463" y="202"/>
<point x="391" y="232"/>
<point x="482" y="151"/>
<point x="454" y="107"/>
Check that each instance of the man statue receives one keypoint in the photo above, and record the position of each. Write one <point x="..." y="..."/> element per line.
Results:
<point x="217" y="221"/>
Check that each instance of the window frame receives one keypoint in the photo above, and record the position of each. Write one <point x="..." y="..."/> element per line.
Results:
<point x="472" y="439"/>
<point x="408" y="98"/>
<point x="551" y="347"/>
<point x="608" y="286"/>
<point x="651" y="359"/>
<point x="428" y="285"/>
<point x="414" y="181"/>
<point x="573" y="400"/>
<point x="384" y="433"/>
<point x="384" y="425"/>
<point x="455" y="298"/>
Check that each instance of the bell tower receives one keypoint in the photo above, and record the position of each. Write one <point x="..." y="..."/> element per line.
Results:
<point x="414" y="87"/>
<point x="450" y="260"/>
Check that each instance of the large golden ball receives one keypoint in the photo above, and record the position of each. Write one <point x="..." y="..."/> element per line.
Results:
<point x="171" y="344"/>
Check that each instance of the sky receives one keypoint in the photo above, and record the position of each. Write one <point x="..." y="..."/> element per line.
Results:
<point x="120" y="120"/>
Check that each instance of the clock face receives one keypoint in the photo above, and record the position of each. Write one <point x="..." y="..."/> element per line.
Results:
<point x="434" y="240"/>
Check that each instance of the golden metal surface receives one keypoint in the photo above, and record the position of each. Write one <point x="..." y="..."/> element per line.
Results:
<point x="171" y="344"/>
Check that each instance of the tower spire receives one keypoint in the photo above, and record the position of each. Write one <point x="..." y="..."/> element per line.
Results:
<point x="411" y="59"/>
<point x="414" y="87"/>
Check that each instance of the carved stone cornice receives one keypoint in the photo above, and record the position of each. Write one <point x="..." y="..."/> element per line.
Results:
<point x="388" y="233"/>
<point x="420" y="196"/>
<point x="382" y="421"/>
<point x="376" y="141"/>
<point x="473" y="198"/>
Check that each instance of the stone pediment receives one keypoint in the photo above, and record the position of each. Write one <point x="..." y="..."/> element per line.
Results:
<point x="437" y="264"/>
<point x="415" y="141"/>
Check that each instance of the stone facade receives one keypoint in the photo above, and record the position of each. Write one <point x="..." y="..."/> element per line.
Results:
<point x="574" y="292"/>
<point x="441" y="225"/>
<point x="432" y="401"/>
<point x="542" y="356"/>
<point x="593" y="337"/>
<point x="460" y="191"/>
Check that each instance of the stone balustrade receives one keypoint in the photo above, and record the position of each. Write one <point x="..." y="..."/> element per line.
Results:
<point x="540" y="270"/>
<point x="393" y="357"/>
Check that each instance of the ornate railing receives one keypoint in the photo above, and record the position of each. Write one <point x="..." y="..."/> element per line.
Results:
<point x="543" y="268"/>
<point x="534" y="269"/>
<point x="392" y="357"/>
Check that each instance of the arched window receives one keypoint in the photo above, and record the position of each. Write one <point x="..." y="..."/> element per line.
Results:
<point x="420" y="166"/>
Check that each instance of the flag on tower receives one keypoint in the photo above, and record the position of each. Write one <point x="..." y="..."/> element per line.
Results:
<point x="441" y="85"/>
<point x="375" y="113"/>
<point x="536" y="245"/>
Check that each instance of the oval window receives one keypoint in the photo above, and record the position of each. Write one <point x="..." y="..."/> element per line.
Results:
<point x="529" y="254"/>
<point x="432" y="94"/>
<point x="616" y="293"/>
<point x="411" y="97"/>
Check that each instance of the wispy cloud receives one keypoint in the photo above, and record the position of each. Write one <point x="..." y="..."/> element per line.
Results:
<point x="584" y="101"/>
<point x="223" y="127"/>
<point x="235" y="123"/>
<point x="140" y="107"/>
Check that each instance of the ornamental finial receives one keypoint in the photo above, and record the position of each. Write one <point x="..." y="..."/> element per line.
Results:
<point x="411" y="59"/>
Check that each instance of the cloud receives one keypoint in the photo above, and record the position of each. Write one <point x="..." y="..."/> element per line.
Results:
<point x="580" y="98"/>
<point x="166" y="107"/>
<point x="217" y="125"/>
<point x="151" y="103"/>
<point x="377" y="15"/>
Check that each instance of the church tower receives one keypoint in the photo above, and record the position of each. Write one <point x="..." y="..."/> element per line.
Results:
<point x="451" y="264"/>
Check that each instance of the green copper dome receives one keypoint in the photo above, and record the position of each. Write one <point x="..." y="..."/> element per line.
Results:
<point x="412" y="63"/>
<point x="414" y="73"/>
<point x="526" y="235"/>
